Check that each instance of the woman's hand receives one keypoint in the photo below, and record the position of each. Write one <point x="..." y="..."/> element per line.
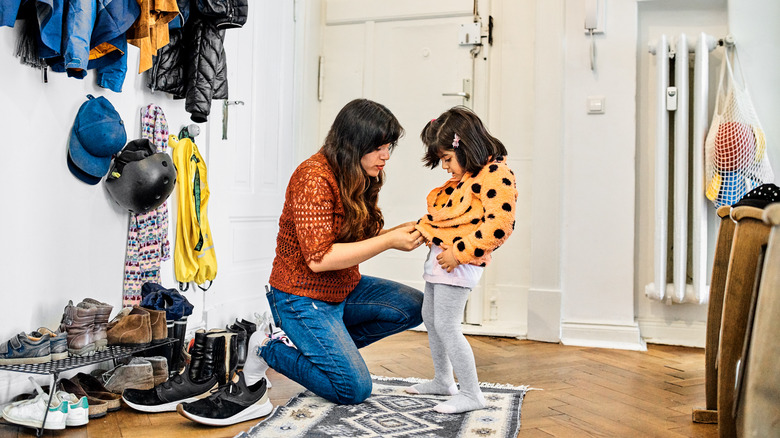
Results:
<point x="405" y="237"/>
<point x="447" y="259"/>
<point x="403" y="225"/>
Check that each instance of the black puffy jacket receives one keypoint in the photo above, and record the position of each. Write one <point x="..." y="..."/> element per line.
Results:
<point x="192" y="66"/>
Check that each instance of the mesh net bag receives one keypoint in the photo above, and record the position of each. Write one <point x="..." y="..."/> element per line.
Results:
<point x="735" y="147"/>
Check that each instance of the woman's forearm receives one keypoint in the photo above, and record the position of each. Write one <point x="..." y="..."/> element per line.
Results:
<point x="346" y="255"/>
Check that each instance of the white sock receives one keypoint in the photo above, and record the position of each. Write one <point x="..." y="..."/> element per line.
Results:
<point x="433" y="387"/>
<point x="462" y="402"/>
<point x="255" y="366"/>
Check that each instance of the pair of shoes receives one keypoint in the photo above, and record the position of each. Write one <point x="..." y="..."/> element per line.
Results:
<point x="137" y="326"/>
<point x="95" y="389"/>
<point x="231" y="403"/>
<point x="244" y="330"/>
<point x="65" y="409"/>
<point x="85" y="324"/>
<point x="138" y="373"/>
<point x="96" y="408"/>
<point x="24" y="349"/>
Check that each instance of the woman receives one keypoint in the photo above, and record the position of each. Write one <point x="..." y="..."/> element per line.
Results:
<point x="329" y="224"/>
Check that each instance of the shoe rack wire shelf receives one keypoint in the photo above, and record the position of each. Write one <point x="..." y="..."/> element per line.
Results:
<point x="55" y="367"/>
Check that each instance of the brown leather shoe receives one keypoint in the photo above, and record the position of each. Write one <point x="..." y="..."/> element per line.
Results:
<point x="97" y="407"/>
<point x="131" y="329"/>
<point x="79" y="323"/>
<point x="102" y="313"/>
<point x="94" y="388"/>
<point x="159" y="325"/>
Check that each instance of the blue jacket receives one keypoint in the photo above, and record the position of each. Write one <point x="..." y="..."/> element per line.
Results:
<point x="87" y="25"/>
<point x="8" y="10"/>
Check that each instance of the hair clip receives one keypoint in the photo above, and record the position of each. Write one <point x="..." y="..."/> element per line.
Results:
<point x="456" y="141"/>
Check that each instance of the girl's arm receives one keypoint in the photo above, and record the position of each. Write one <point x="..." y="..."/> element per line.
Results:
<point x="346" y="255"/>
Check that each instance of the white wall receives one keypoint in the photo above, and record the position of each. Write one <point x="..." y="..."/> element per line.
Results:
<point x="64" y="239"/>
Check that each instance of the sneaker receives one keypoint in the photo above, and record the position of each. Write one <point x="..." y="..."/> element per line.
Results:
<point x="23" y="349"/>
<point x="166" y="396"/>
<point x="231" y="403"/>
<point x="58" y="341"/>
<point x="78" y="408"/>
<point x="31" y="412"/>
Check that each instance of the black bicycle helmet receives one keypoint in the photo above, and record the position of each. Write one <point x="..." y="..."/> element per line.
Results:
<point x="141" y="179"/>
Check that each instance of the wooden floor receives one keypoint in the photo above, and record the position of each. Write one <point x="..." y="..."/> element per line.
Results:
<point x="582" y="392"/>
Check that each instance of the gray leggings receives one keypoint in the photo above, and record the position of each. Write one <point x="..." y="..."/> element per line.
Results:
<point x="442" y="311"/>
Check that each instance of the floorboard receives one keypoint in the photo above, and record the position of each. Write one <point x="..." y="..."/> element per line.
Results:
<point x="582" y="392"/>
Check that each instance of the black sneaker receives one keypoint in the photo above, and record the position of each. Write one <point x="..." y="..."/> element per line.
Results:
<point x="165" y="396"/>
<point x="232" y="403"/>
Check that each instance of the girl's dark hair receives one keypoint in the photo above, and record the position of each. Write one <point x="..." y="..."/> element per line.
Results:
<point x="359" y="128"/>
<point x="475" y="148"/>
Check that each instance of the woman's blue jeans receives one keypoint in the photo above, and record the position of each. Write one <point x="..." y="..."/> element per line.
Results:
<point x="327" y="336"/>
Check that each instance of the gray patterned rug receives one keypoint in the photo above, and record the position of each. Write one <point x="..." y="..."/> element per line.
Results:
<point x="390" y="412"/>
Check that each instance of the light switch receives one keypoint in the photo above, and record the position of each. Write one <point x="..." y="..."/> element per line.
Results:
<point x="595" y="104"/>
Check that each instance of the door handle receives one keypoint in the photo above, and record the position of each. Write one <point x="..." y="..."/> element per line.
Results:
<point x="462" y="94"/>
<point x="225" y="115"/>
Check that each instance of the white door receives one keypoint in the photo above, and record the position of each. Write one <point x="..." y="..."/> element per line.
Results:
<point x="249" y="171"/>
<point x="407" y="58"/>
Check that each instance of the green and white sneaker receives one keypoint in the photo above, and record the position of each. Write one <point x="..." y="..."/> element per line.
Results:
<point x="78" y="408"/>
<point x="30" y="413"/>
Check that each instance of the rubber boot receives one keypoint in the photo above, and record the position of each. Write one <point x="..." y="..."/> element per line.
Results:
<point x="179" y="331"/>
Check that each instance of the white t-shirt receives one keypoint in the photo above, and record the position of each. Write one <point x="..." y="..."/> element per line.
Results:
<point x="462" y="275"/>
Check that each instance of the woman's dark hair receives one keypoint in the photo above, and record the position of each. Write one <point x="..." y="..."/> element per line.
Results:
<point x="475" y="148"/>
<point x="359" y="128"/>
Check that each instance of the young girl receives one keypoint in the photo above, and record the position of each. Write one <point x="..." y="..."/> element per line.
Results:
<point x="469" y="217"/>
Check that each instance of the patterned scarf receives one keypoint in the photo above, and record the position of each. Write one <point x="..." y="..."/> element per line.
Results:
<point x="147" y="236"/>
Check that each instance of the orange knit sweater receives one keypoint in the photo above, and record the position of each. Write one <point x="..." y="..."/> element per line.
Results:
<point x="311" y="219"/>
<point x="475" y="214"/>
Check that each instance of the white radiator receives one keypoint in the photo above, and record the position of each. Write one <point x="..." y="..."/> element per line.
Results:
<point x="673" y="94"/>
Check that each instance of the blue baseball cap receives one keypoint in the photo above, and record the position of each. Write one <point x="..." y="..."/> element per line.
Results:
<point x="98" y="134"/>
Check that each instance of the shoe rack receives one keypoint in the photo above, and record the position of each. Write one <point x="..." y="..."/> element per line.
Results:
<point x="55" y="367"/>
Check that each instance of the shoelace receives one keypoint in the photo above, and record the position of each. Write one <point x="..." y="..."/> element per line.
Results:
<point x="175" y="379"/>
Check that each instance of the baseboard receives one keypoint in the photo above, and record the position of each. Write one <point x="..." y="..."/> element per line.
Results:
<point x="621" y="337"/>
<point x="686" y="334"/>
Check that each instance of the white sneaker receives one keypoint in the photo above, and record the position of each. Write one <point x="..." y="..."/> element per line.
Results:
<point x="78" y="408"/>
<point x="31" y="412"/>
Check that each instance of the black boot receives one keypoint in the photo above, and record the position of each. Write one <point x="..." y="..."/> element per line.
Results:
<point x="241" y="343"/>
<point x="225" y="357"/>
<point x="179" y="331"/>
<point x="197" y="354"/>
